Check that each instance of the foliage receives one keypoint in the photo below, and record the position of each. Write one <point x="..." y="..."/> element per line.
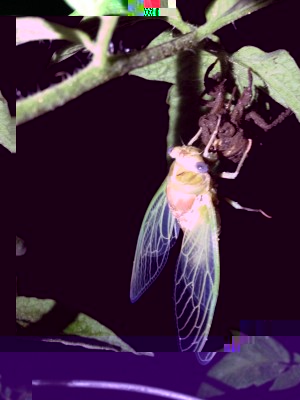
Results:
<point x="160" y="57"/>
<point x="263" y="361"/>
<point x="275" y="73"/>
<point x="7" y="127"/>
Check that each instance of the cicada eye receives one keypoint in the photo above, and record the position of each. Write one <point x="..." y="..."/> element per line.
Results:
<point x="202" y="167"/>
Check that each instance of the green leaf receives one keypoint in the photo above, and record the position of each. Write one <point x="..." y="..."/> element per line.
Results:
<point x="85" y="326"/>
<point x="34" y="28"/>
<point x="31" y="310"/>
<point x="276" y="73"/>
<point x="297" y="357"/>
<point x="178" y="23"/>
<point x="65" y="52"/>
<point x="256" y="364"/>
<point x="216" y="9"/>
<point x="90" y="26"/>
<point x="223" y="12"/>
<point x="164" y="70"/>
<point x="7" y="126"/>
<point x="206" y="391"/>
<point x="75" y="14"/>
<point x="168" y="69"/>
<point x="218" y="14"/>
<point x="270" y="349"/>
<point x="99" y="7"/>
<point x="287" y="379"/>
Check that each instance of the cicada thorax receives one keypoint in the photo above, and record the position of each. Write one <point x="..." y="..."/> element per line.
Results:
<point x="189" y="187"/>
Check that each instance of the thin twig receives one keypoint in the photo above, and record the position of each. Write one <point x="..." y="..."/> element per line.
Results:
<point x="130" y="387"/>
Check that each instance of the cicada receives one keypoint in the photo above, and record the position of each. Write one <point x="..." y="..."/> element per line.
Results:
<point x="186" y="200"/>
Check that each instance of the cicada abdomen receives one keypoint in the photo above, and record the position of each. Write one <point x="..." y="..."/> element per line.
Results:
<point x="185" y="200"/>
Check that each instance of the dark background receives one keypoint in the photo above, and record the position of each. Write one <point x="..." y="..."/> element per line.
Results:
<point x="88" y="171"/>
<point x="7" y="180"/>
<point x="34" y="7"/>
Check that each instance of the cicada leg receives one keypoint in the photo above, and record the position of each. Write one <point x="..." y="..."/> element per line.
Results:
<point x="211" y="140"/>
<point x="194" y="138"/>
<point x="237" y="206"/>
<point x="233" y="175"/>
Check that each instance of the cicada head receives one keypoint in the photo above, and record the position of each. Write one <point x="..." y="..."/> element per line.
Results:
<point x="189" y="158"/>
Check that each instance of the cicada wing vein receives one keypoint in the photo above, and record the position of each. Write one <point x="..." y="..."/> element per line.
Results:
<point x="158" y="234"/>
<point x="205" y="357"/>
<point x="197" y="280"/>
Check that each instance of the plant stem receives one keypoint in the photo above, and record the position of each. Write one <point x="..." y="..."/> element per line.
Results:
<point x="94" y="75"/>
<point x="104" y="35"/>
<point x="130" y="387"/>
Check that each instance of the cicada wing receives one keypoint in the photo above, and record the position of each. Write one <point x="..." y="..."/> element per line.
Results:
<point x="197" y="280"/>
<point x="205" y="357"/>
<point x="158" y="234"/>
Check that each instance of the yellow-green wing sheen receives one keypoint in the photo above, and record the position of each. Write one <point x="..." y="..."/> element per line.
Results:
<point x="205" y="357"/>
<point x="197" y="280"/>
<point x="158" y="234"/>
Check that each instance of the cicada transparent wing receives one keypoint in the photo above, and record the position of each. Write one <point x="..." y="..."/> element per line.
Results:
<point x="197" y="278"/>
<point x="158" y="234"/>
<point x="205" y="357"/>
